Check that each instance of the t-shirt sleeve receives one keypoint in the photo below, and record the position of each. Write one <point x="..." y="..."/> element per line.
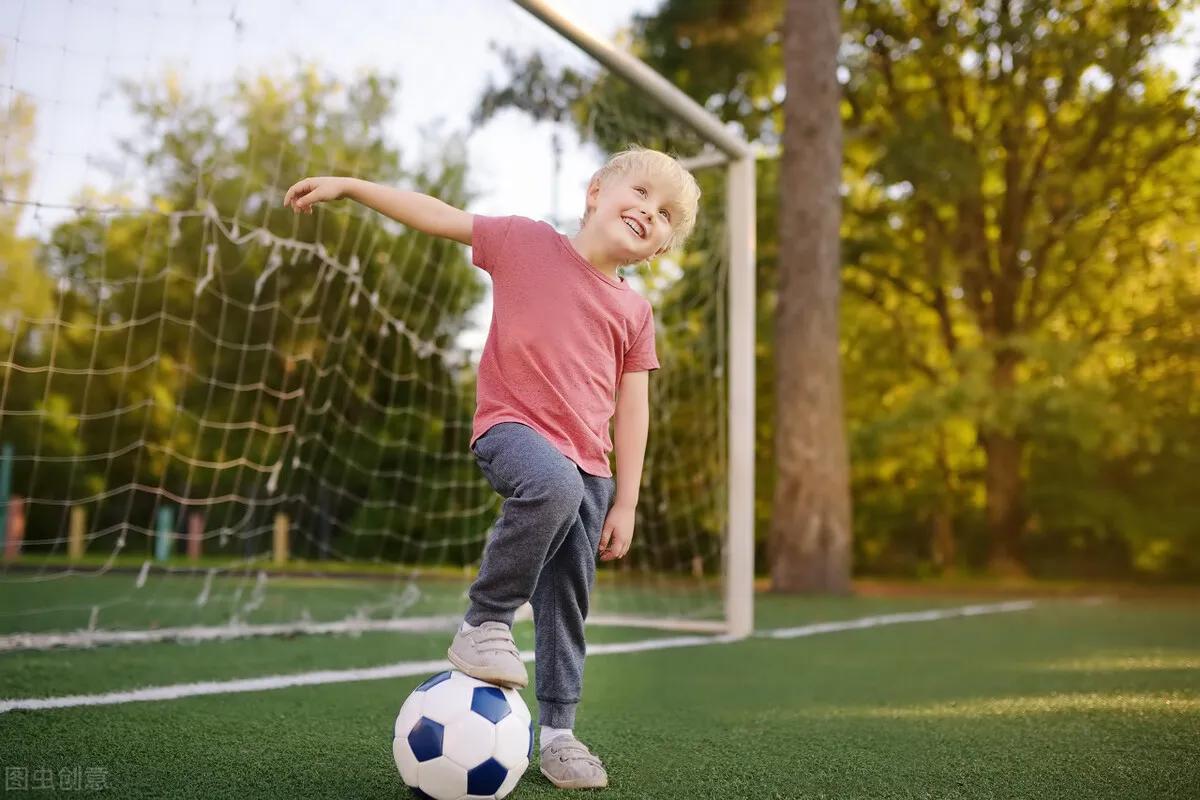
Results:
<point x="488" y="237"/>
<point x="641" y="355"/>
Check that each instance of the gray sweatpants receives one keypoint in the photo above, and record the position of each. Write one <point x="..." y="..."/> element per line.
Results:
<point x="543" y="550"/>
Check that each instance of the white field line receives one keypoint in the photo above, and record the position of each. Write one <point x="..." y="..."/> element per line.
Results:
<point x="409" y="668"/>
<point x="208" y="633"/>
<point x="892" y="619"/>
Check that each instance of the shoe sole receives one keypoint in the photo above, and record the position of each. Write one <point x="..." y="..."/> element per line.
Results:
<point x="484" y="674"/>
<point x="573" y="783"/>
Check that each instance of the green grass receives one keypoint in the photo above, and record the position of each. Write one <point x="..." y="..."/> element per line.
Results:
<point x="1067" y="700"/>
<point x="51" y="599"/>
<point x="166" y="600"/>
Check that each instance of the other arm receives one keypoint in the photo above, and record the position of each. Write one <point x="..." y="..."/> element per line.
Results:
<point x="632" y="427"/>
<point x="633" y="423"/>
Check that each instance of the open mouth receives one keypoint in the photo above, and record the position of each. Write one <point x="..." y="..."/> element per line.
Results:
<point x="635" y="226"/>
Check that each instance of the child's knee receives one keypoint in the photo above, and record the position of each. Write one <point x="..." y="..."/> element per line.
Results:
<point x="560" y="489"/>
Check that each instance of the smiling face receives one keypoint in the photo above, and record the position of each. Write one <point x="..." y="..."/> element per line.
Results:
<point x="631" y="215"/>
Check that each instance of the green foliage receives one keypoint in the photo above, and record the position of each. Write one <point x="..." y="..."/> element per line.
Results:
<point x="1018" y="193"/>
<point x="214" y="306"/>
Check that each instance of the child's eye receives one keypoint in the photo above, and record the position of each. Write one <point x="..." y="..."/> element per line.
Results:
<point x="666" y="214"/>
<point x="640" y="189"/>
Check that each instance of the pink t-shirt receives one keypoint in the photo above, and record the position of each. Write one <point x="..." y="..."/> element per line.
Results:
<point x="562" y="335"/>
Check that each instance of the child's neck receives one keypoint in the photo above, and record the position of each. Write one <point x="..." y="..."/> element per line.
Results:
<point x="594" y="253"/>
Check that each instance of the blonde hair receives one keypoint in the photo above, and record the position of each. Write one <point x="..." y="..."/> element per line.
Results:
<point x="662" y="169"/>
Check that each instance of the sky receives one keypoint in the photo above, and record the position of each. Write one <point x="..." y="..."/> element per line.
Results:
<point x="68" y="57"/>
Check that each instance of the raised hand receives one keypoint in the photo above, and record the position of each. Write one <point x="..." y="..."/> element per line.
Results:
<point x="307" y="193"/>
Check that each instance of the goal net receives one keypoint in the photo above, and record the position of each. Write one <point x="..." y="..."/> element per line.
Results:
<point x="218" y="418"/>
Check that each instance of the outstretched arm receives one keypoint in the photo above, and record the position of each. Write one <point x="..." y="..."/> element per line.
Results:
<point x="416" y="210"/>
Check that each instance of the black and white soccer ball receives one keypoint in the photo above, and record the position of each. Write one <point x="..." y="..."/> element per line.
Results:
<point x="459" y="738"/>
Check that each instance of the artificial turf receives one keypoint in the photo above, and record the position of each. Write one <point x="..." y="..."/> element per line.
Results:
<point x="1066" y="700"/>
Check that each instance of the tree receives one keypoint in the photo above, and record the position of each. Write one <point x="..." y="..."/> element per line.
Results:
<point x="811" y="527"/>
<point x="28" y="293"/>
<point x="1014" y="156"/>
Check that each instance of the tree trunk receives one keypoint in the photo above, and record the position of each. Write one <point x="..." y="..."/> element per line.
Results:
<point x="810" y="537"/>
<point x="1005" y="512"/>
<point x="944" y="548"/>
<point x="1005" y="516"/>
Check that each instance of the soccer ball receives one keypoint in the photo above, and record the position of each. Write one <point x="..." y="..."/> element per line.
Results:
<point x="459" y="738"/>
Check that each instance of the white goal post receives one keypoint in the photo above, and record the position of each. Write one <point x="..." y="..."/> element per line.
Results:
<point x="738" y="157"/>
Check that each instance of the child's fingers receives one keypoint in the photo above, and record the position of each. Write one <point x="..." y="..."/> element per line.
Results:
<point x="310" y="198"/>
<point x="297" y="190"/>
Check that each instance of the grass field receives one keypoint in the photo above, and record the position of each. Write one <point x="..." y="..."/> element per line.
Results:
<point x="48" y="598"/>
<point x="1067" y="699"/>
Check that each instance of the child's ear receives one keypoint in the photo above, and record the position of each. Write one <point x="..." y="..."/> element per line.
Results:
<point x="593" y="193"/>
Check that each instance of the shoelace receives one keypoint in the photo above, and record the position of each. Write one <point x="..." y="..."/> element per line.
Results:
<point x="498" y="633"/>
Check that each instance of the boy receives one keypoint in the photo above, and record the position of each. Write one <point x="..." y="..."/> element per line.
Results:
<point x="567" y="335"/>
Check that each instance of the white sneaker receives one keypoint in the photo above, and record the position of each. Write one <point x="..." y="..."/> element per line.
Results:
<point x="489" y="653"/>
<point x="568" y="764"/>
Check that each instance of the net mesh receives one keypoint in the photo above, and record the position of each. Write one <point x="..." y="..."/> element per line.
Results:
<point x="217" y="413"/>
